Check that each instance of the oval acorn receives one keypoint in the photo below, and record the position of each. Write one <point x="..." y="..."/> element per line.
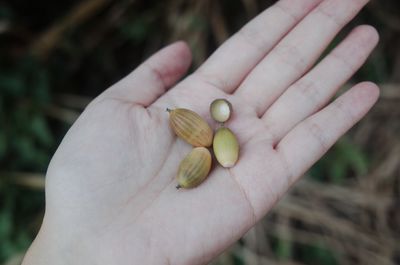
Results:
<point x="226" y="147"/>
<point x="221" y="110"/>
<point x="194" y="168"/>
<point x="189" y="126"/>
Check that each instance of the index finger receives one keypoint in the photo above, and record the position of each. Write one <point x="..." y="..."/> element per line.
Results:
<point x="231" y="62"/>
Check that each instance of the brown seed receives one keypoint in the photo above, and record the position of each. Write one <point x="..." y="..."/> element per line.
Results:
<point x="194" y="168"/>
<point x="189" y="126"/>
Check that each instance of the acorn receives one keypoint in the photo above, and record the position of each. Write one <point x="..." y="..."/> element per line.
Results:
<point x="226" y="147"/>
<point x="194" y="168"/>
<point x="191" y="127"/>
<point x="221" y="110"/>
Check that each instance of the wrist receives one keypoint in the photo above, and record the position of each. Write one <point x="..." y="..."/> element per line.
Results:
<point x="58" y="246"/>
<point x="51" y="247"/>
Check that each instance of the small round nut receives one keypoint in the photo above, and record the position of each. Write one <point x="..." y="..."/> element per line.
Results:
<point x="221" y="110"/>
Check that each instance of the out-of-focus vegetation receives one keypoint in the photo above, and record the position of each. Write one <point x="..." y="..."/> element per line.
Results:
<point x="57" y="55"/>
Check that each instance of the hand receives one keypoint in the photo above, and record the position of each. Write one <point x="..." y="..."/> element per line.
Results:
<point x="110" y="194"/>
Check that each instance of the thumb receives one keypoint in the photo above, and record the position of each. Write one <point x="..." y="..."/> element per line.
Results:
<point x="154" y="76"/>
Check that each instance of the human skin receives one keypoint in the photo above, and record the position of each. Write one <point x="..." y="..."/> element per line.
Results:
<point x="110" y="187"/>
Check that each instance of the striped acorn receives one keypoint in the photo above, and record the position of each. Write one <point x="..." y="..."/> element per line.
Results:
<point x="189" y="126"/>
<point x="226" y="147"/>
<point x="194" y="168"/>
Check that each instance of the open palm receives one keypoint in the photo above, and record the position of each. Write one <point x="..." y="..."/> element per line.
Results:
<point x="111" y="196"/>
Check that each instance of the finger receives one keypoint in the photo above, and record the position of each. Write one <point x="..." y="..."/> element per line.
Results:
<point x="314" y="90"/>
<point x="310" y="139"/>
<point x="296" y="53"/>
<point x="153" y="77"/>
<point x="228" y="66"/>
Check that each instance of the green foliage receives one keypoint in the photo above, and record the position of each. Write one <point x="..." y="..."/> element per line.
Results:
<point x="139" y="28"/>
<point x="25" y="137"/>
<point x="319" y="254"/>
<point x="14" y="235"/>
<point x="312" y="254"/>
<point x="5" y="13"/>
<point x="26" y="144"/>
<point x="284" y="249"/>
<point x="3" y="144"/>
<point x="237" y="260"/>
<point x="343" y="161"/>
<point x="376" y="69"/>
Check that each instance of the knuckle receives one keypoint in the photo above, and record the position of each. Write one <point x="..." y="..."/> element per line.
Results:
<point x="308" y="90"/>
<point x="291" y="56"/>
<point x="286" y="11"/>
<point x="252" y="36"/>
<point x="318" y="134"/>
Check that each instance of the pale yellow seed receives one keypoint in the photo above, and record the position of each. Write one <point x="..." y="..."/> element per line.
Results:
<point x="221" y="110"/>
<point x="226" y="147"/>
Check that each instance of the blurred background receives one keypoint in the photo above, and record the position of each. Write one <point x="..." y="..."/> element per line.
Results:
<point x="55" y="56"/>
